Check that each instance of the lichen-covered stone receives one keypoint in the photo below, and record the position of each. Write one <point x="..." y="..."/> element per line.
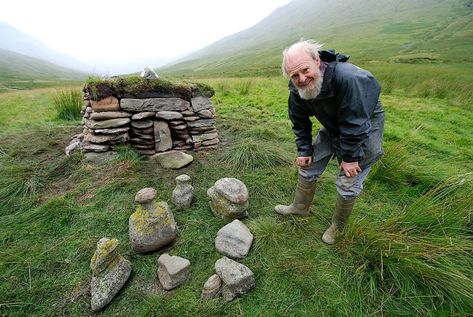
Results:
<point x="110" y="271"/>
<point x="151" y="229"/>
<point x="229" y="198"/>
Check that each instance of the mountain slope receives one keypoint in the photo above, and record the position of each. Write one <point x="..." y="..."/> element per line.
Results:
<point x="18" y="67"/>
<point x="371" y="30"/>
<point x="19" y="42"/>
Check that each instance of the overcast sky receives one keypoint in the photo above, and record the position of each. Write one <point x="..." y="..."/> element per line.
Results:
<point x="108" y="32"/>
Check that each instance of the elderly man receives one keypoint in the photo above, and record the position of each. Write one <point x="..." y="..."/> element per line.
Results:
<point x="345" y="100"/>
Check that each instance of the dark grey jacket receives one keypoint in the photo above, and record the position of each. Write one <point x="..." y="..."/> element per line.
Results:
<point x="349" y="109"/>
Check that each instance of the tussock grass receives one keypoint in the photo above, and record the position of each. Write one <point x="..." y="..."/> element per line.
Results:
<point x="424" y="247"/>
<point x="251" y="154"/>
<point x="68" y="104"/>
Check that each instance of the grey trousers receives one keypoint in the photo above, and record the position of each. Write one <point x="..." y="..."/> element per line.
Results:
<point x="324" y="149"/>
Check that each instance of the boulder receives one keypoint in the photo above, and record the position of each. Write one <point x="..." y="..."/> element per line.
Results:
<point x="229" y="198"/>
<point x="234" y="240"/>
<point x="237" y="278"/>
<point x="211" y="287"/>
<point x="183" y="193"/>
<point x="172" y="271"/>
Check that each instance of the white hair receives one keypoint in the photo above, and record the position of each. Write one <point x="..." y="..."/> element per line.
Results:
<point x="311" y="47"/>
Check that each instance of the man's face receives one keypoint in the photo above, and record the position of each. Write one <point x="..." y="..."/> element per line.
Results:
<point x="304" y="73"/>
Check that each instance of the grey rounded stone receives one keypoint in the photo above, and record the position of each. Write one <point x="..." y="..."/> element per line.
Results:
<point x="232" y="189"/>
<point x="234" y="240"/>
<point x="145" y="195"/>
<point x="172" y="271"/>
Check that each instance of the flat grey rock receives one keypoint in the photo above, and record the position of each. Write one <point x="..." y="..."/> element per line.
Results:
<point x="143" y="115"/>
<point x="169" y="115"/>
<point x="234" y="240"/>
<point x="173" y="159"/>
<point x="172" y="271"/>
<point x="108" y="115"/>
<point x="106" y="124"/>
<point x="154" y="104"/>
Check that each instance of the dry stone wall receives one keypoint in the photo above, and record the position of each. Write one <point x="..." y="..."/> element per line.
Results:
<point x="151" y="122"/>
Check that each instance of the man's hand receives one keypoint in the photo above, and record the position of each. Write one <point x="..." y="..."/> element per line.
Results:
<point x="350" y="168"/>
<point x="304" y="161"/>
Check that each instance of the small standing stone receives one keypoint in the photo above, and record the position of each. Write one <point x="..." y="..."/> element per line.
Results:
<point x="110" y="271"/>
<point x="152" y="225"/>
<point x="237" y="279"/>
<point x="234" y="240"/>
<point x="211" y="287"/>
<point x="229" y="198"/>
<point x="172" y="271"/>
<point x="182" y="194"/>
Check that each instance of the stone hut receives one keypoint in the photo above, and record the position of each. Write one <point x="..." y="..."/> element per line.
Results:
<point x="153" y="115"/>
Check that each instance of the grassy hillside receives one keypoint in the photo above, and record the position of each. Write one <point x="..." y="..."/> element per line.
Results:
<point x="372" y="30"/>
<point x="407" y="250"/>
<point x="19" y="71"/>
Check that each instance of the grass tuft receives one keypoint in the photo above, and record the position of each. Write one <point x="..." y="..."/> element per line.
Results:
<point x="251" y="154"/>
<point x="68" y="105"/>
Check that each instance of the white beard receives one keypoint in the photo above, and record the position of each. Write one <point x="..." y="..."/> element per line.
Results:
<point x="312" y="90"/>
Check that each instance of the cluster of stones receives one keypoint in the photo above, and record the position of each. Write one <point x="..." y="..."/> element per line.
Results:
<point x="152" y="227"/>
<point x="150" y="125"/>
<point x="232" y="279"/>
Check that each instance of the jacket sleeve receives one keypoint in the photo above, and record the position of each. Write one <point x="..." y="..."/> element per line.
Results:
<point x="301" y="126"/>
<point x="357" y="94"/>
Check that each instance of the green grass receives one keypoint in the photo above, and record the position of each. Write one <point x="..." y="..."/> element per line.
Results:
<point x="68" y="105"/>
<point x="406" y="251"/>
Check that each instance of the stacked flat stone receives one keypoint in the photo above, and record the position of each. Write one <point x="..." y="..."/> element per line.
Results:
<point x="151" y="122"/>
<point x="105" y="125"/>
<point x="142" y="132"/>
<point x="202" y="124"/>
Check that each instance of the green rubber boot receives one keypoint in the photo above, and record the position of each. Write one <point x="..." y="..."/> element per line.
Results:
<point x="302" y="199"/>
<point x="342" y="211"/>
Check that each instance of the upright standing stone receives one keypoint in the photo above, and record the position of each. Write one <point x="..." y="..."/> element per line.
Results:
<point x="110" y="271"/>
<point x="162" y="136"/>
<point x="152" y="225"/>
<point x="183" y="193"/>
